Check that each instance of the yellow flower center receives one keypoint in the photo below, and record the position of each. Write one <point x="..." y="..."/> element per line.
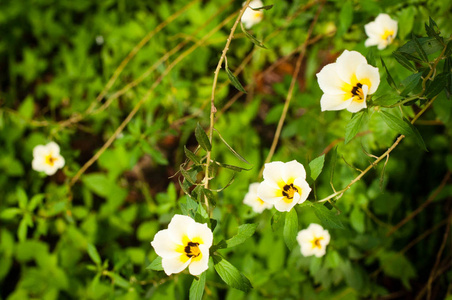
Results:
<point x="50" y="160"/>
<point x="316" y="242"/>
<point x="257" y="15"/>
<point x="357" y="92"/>
<point x="192" y="250"/>
<point x="288" y="192"/>
<point x="388" y="35"/>
<point x="260" y="201"/>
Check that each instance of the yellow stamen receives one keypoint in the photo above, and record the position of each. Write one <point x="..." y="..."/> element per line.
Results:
<point x="289" y="191"/>
<point x="316" y="242"/>
<point x="192" y="250"/>
<point x="50" y="160"/>
<point x="388" y="35"/>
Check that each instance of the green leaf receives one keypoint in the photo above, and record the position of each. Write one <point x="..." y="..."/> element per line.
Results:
<point x="429" y="45"/>
<point x="291" y="228"/>
<point x="437" y="86"/>
<point x="202" y="138"/>
<point x="353" y="126"/>
<point x="404" y="61"/>
<point x="245" y="231"/>
<point x="35" y="201"/>
<point x="197" y="287"/>
<point x="9" y="213"/>
<point x="386" y="99"/>
<point x="94" y="255"/>
<point x="398" y="266"/>
<point x="419" y="48"/>
<point x="191" y="156"/>
<point x="22" y="198"/>
<point x="403" y="127"/>
<point x="328" y="218"/>
<point x="345" y="17"/>
<point x="277" y="220"/>
<point x="201" y="215"/>
<point x="156" y="264"/>
<point x="119" y="280"/>
<point x="231" y="167"/>
<point x="316" y="166"/>
<point x="265" y="7"/>
<point x="187" y="176"/>
<point x="370" y="57"/>
<point x="358" y="220"/>
<point x="252" y="38"/>
<point x="389" y="77"/>
<point x="230" y="148"/>
<point x="189" y="208"/>
<point x="235" y="82"/>
<point x="22" y="230"/>
<point x="410" y="83"/>
<point x="230" y="274"/>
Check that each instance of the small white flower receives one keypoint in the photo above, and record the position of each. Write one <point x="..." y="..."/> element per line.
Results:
<point x="381" y="32"/>
<point x="347" y="82"/>
<point x="284" y="185"/>
<point x="99" y="40"/>
<point x="184" y="243"/>
<point x="253" y="200"/>
<point x="47" y="158"/>
<point x="251" y="17"/>
<point x="313" y="240"/>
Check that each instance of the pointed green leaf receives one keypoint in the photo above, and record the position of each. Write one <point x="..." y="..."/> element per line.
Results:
<point x="277" y="220"/>
<point x="266" y="7"/>
<point x="404" y="61"/>
<point x="316" y="166"/>
<point x="353" y="126"/>
<point x="202" y="138"/>
<point x="291" y="228"/>
<point x="403" y="127"/>
<point x="231" y="167"/>
<point x="235" y="82"/>
<point x="156" y="264"/>
<point x="230" y="274"/>
<point x="386" y="99"/>
<point x="231" y="149"/>
<point x="428" y="44"/>
<point x="410" y="83"/>
<point x="328" y="218"/>
<point x="22" y="198"/>
<point x="389" y="77"/>
<point x="93" y="254"/>
<point x="187" y="176"/>
<point x="437" y="86"/>
<point x="419" y="48"/>
<point x="197" y="287"/>
<point x="35" y="201"/>
<point x="245" y="232"/>
<point x="252" y="38"/>
<point x="191" y="156"/>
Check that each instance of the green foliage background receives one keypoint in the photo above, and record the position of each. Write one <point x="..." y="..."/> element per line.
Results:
<point x="91" y="240"/>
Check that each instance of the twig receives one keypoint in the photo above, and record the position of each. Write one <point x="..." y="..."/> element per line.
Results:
<point x="422" y="206"/>
<point x="291" y="89"/>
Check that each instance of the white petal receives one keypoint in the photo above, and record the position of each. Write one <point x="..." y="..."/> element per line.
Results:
<point x="369" y="73"/>
<point x="284" y="206"/>
<point x="329" y="81"/>
<point x="307" y="250"/>
<point x="197" y="267"/>
<point x="334" y="102"/>
<point x="38" y="164"/>
<point x="273" y="173"/>
<point x="164" y="246"/>
<point x="198" y="231"/>
<point x="305" y="189"/>
<point x="178" y="227"/>
<point x="319" y="252"/>
<point x="293" y="170"/>
<point x="253" y="187"/>
<point x="39" y="151"/>
<point x="371" y="41"/>
<point x="304" y="236"/>
<point x="268" y="193"/>
<point x="49" y="170"/>
<point x="175" y="264"/>
<point x="373" y="30"/>
<point x="347" y="63"/>
<point x="53" y="148"/>
<point x="59" y="162"/>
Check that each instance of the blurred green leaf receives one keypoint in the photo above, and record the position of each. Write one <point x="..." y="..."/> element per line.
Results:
<point x="202" y="138"/>
<point x="353" y="126"/>
<point x="235" y="82"/>
<point x="197" y="287"/>
<point x="22" y="198"/>
<point x="231" y="149"/>
<point x="94" y="255"/>
<point x="316" y="166"/>
<point x="191" y="156"/>
<point x="230" y="275"/>
<point x="398" y="266"/>
<point x="245" y="231"/>
<point x="291" y="228"/>
<point x="251" y="38"/>
<point x="329" y="218"/>
<point x="156" y="264"/>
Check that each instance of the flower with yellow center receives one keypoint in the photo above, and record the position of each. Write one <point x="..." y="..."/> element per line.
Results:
<point x="381" y="32"/>
<point x="47" y="158"/>
<point x="253" y="200"/>
<point x="313" y="240"/>
<point x="284" y="185"/>
<point x="251" y="17"/>
<point x="347" y="82"/>
<point x="184" y="243"/>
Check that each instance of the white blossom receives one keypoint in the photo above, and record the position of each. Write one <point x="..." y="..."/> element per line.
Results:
<point x="313" y="240"/>
<point x="47" y="158"/>
<point x="253" y="200"/>
<point x="251" y="17"/>
<point x="347" y="82"/>
<point x="381" y="32"/>
<point x="284" y="185"/>
<point x="184" y="243"/>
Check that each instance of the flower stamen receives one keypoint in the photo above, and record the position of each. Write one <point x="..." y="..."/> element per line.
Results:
<point x="289" y="190"/>
<point x="50" y="160"/>
<point x="192" y="249"/>
<point x="316" y="242"/>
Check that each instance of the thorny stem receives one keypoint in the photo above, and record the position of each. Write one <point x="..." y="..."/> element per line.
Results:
<point x="213" y="109"/>
<point x="290" y="92"/>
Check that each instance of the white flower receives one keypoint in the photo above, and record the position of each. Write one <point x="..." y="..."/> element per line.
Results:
<point x="347" y="82"/>
<point x="381" y="32"/>
<point x="253" y="200"/>
<point x="313" y="240"/>
<point x="251" y="17"/>
<point x="47" y="158"/>
<point x="184" y="243"/>
<point x="284" y="185"/>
